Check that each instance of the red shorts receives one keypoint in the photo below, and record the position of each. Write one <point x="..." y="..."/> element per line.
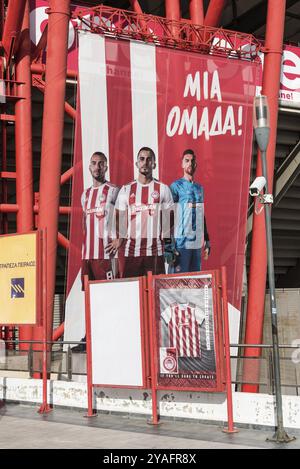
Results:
<point x="96" y="269"/>
<point x="139" y="266"/>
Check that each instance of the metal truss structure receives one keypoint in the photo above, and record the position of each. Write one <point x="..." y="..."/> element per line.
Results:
<point x="176" y="34"/>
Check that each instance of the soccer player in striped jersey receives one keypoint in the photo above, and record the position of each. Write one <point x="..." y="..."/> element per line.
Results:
<point x="191" y="235"/>
<point x="143" y="209"/>
<point x="98" y="205"/>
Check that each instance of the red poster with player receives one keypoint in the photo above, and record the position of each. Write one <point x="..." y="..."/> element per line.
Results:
<point x="188" y="333"/>
<point x="133" y="95"/>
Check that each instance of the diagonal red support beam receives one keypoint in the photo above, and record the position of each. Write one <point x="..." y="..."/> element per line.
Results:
<point x="40" y="47"/>
<point x="12" y="27"/>
<point x="214" y="12"/>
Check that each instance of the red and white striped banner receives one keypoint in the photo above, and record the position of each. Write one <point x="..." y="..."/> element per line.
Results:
<point x="133" y="95"/>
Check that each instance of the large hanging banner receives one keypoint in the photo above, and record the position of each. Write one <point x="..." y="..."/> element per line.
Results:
<point x="134" y="95"/>
<point x="19" y="279"/>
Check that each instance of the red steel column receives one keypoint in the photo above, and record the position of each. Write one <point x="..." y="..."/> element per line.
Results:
<point x="197" y="11"/>
<point x="258" y="260"/>
<point x="23" y="135"/>
<point x="214" y="12"/>
<point x="52" y="138"/>
<point x="135" y="5"/>
<point x="173" y="13"/>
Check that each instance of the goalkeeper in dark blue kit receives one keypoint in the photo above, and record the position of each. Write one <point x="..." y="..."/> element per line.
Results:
<point x="190" y="230"/>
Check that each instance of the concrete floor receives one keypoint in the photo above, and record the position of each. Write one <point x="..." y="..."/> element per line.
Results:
<point x="22" y="427"/>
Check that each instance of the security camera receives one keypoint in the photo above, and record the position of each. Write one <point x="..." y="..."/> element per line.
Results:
<point x="257" y="185"/>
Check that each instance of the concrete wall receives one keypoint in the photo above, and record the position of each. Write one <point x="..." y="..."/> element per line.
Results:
<point x="249" y="409"/>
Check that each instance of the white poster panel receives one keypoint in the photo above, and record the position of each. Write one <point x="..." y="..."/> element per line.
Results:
<point x="116" y="333"/>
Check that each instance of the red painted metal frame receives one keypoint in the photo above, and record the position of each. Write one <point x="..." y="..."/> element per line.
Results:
<point x="258" y="259"/>
<point x="173" y="13"/>
<point x="89" y="367"/>
<point x="153" y="363"/>
<point x="143" y="330"/>
<point x="45" y="408"/>
<point x="38" y="278"/>
<point x="197" y="11"/>
<point x="219" y="340"/>
<point x="218" y="41"/>
<point x="230" y="428"/>
<point x="214" y="12"/>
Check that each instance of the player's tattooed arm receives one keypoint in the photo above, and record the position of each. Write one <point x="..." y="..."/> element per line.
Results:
<point x="121" y="220"/>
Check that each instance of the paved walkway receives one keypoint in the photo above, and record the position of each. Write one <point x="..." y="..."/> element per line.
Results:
<point x="22" y="427"/>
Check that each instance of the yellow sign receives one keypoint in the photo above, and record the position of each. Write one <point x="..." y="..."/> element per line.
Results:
<point x="18" y="279"/>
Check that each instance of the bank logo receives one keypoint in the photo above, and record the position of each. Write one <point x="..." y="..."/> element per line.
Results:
<point x="17" y="289"/>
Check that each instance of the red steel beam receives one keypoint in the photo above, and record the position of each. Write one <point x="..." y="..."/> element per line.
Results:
<point x="258" y="260"/>
<point x="7" y="117"/>
<point x="23" y="132"/>
<point x="12" y="27"/>
<point x="40" y="47"/>
<point x="63" y="241"/>
<point x="197" y="11"/>
<point x="173" y="13"/>
<point x="23" y="136"/>
<point x="7" y="175"/>
<point x="135" y="5"/>
<point x="40" y="69"/>
<point x="61" y="210"/>
<point x="214" y="12"/>
<point x="52" y="138"/>
<point x="9" y="208"/>
<point x="58" y="332"/>
<point x="66" y="176"/>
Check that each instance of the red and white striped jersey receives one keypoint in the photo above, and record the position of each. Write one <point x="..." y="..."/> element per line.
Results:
<point x="97" y="204"/>
<point x="184" y="321"/>
<point x="145" y="205"/>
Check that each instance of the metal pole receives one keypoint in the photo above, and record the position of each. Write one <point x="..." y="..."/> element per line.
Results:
<point x="23" y="134"/>
<point x="52" y="138"/>
<point x="89" y="358"/>
<point x="154" y="419"/>
<point x="44" y="408"/>
<point x="197" y="11"/>
<point x="173" y="13"/>
<point x="258" y="259"/>
<point x="230" y="428"/>
<point x="214" y="12"/>
<point x="280" y="434"/>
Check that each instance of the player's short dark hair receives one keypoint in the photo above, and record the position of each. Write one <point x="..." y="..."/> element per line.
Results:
<point x="188" y="152"/>
<point x="149" y="150"/>
<point x="99" y="153"/>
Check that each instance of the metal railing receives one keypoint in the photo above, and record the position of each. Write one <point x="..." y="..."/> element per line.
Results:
<point x="66" y="364"/>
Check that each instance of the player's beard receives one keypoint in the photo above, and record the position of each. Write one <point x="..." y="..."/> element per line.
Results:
<point x="190" y="171"/>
